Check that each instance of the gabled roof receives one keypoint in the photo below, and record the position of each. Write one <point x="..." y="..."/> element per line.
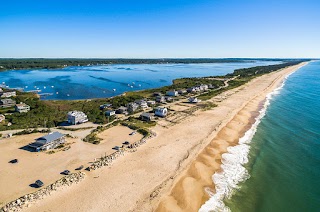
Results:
<point x="51" y="137"/>
<point x="146" y="114"/>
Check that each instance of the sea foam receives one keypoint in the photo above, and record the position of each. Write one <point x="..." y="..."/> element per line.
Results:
<point x="233" y="170"/>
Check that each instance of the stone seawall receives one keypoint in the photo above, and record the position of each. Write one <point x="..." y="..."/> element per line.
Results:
<point x="107" y="160"/>
<point x="27" y="199"/>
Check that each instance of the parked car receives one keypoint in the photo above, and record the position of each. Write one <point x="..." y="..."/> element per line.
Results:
<point x="14" y="161"/>
<point x="126" y="143"/>
<point x="39" y="183"/>
<point x="116" y="148"/>
<point x="80" y="167"/>
<point x="132" y="133"/>
<point x="65" y="172"/>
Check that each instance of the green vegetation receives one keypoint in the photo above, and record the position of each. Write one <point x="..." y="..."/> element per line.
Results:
<point x="93" y="136"/>
<point x="206" y="105"/>
<point x="74" y="129"/>
<point x="135" y="123"/>
<point x="30" y="131"/>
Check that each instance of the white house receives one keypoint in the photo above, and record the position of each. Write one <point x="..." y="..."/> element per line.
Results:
<point x="2" y="117"/>
<point x="151" y="102"/>
<point x="22" y="107"/>
<point x="142" y="103"/>
<point x="132" y="107"/>
<point x="172" y="93"/>
<point x="160" y="99"/>
<point x="7" y="94"/>
<point x="77" y="117"/>
<point x="161" y="111"/>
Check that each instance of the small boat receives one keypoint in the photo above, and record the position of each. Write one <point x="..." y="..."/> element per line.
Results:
<point x="57" y="92"/>
<point x="114" y="89"/>
<point x="52" y="86"/>
<point x="133" y="83"/>
<point x="139" y="85"/>
<point x="131" y="86"/>
<point x="68" y="94"/>
<point x="26" y="86"/>
<point x="44" y="87"/>
<point x="128" y="85"/>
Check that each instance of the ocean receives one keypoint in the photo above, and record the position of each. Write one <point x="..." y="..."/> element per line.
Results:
<point x="87" y="82"/>
<point x="276" y="166"/>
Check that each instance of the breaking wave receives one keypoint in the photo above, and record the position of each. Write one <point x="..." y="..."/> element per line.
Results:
<point x="233" y="170"/>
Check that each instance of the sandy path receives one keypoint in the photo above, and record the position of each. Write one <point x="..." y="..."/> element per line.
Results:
<point x="138" y="180"/>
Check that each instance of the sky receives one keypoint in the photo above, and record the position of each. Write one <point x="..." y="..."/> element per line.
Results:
<point x="159" y="29"/>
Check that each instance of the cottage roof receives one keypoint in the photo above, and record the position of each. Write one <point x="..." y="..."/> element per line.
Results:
<point x="51" y="137"/>
<point x="21" y="105"/>
<point x="146" y="115"/>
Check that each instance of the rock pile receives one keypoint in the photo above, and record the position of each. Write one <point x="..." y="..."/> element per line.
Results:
<point x="107" y="160"/>
<point x="27" y="199"/>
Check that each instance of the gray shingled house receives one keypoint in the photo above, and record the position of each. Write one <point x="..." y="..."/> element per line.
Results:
<point x="50" y="141"/>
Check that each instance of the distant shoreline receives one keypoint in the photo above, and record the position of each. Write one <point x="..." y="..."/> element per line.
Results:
<point x="10" y="64"/>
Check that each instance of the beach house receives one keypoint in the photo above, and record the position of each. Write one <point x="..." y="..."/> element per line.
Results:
<point x="194" y="100"/>
<point x="77" y="117"/>
<point x="182" y="91"/>
<point x="22" y="108"/>
<point x="105" y="106"/>
<point x="132" y="107"/>
<point x="7" y="94"/>
<point x="121" y="110"/>
<point x="161" y="111"/>
<point x="142" y="103"/>
<point x="50" y="141"/>
<point x="172" y="93"/>
<point x="146" y="117"/>
<point x="7" y="103"/>
<point x="160" y="99"/>
<point x="110" y="113"/>
<point x="2" y="117"/>
<point x="151" y="102"/>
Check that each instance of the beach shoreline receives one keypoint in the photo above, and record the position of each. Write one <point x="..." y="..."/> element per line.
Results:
<point x="207" y="180"/>
<point x="150" y="173"/>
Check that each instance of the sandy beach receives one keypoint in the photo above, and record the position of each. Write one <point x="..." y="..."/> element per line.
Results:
<point x="172" y="170"/>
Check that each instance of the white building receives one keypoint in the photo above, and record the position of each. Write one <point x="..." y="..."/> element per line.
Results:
<point x="142" y="103"/>
<point x="160" y="99"/>
<point x="22" y="107"/>
<point x="132" y="107"/>
<point x="151" y="102"/>
<point x="7" y="94"/>
<point x="77" y="117"/>
<point x="161" y="111"/>
<point x="172" y="93"/>
<point x="2" y="117"/>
